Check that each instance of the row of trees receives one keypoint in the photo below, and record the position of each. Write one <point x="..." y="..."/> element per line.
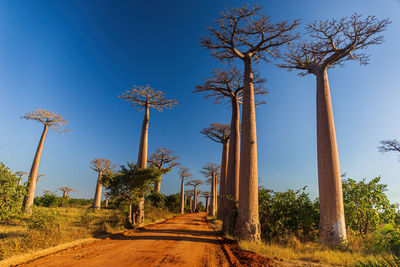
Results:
<point x="245" y="33"/>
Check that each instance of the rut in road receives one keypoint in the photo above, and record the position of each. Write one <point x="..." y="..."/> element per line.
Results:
<point x="181" y="241"/>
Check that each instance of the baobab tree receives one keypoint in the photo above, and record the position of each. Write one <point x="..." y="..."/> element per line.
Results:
<point x="212" y="171"/>
<point x="226" y="86"/>
<point x="107" y="196"/>
<point x="162" y="157"/>
<point x="20" y="174"/>
<point x="66" y="191"/>
<point x="51" y="121"/>
<point x="220" y="133"/>
<point x="144" y="98"/>
<point x="184" y="174"/>
<point x="195" y="183"/>
<point x="101" y="166"/>
<point x="330" y="43"/>
<point x="247" y="34"/>
<point x="206" y="195"/>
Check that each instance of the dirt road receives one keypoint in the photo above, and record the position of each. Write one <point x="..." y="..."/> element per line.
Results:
<point x="181" y="241"/>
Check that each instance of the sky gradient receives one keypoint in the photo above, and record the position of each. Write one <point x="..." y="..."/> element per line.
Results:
<point x="76" y="57"/>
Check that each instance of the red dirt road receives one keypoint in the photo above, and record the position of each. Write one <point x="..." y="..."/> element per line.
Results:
<point x="181" y="241"/>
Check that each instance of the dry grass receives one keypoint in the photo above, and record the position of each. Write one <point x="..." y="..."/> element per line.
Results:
<point x="71" y="224"/>
<point x="308" y="252"/>
<point x="216" y="224"/>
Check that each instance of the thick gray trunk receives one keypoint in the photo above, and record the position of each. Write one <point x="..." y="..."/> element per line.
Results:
<point x="332" y="228"/>
<point x="183" y="199"/>
<point x="142" y="162"/>
<point x="32" y="181"/>
<point x="248" y="225"/>
<point x="222" y="181"/>
<point x="97" y="194"/>
<point x="232" y="179"/>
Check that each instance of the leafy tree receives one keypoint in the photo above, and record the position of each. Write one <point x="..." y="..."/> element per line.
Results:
<point x="129" y="185"/>
<point x="157" y="199"/>
<point x="49" y="199"/>
<point x="172" y="202"/>
<point x="366" y="205"/>
<point x="11" y="195"/>
<point x="288" y="213"/>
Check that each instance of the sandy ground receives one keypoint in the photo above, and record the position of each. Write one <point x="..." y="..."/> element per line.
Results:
<point x="181" y="241"/>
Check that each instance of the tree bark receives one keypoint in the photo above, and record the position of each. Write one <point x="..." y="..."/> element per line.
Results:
<point x="212" y="200"/>
<point x="207" y="209"/>
<point x="157" y="186"/>
<point x="142" y="162"/>
<point x="183" y="199"/>
<point x="232" y="178"/>
<point x="106" y="205"/>
<point x="195" y="198"/>
<point x="332" y="228"/>
<point x="191" y="204"/>
<point x="32" y="181"/>
<point x="248" y="226"/>
<point x="222" y="181"/>
<point x="19" y="181"/>
<point x="97" y="194"/>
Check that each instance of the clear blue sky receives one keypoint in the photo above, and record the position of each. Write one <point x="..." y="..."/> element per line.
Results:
<point x="75" y="57"/>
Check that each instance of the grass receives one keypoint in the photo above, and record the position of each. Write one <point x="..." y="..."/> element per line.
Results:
<point x="308" y="252"/>
<point x="216" y="224"/>
<point x="62" y="225"/>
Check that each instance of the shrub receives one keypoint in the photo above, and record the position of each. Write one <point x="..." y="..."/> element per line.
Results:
<point x="47" y="200"/>
<point x="173" y="202"/>
<point x="44" y="219"/>
<point x="157" y="199"/>
<point x="11" y="195"/>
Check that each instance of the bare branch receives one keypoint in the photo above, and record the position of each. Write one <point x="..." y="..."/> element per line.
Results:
<point x="217" y="132"/>
<point x="163" y="156"/>
<point x="101" y="165"/>
<point x="53" y="120"/>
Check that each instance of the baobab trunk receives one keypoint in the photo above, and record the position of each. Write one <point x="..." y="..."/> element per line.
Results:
<point x="195" y="198"/>
<point x="142" y="162"/>
<point x="222" y="181"/>
<point x="19" y="181"/>
<point x="97" y="194"/>
<point x="212" y="202"/>
<point x="191" y="204"/>
<point x="207" y="204"/>
<point x="215" y="195"/>
<point x="106" y="205"/>
<point x="332" y="228"/>
<point x="28" y="200"/>
<point x="248" y="225"/>
<point x="232" y="178"/>
<point x="157" y="186"/>
<point x="183" y="198"/>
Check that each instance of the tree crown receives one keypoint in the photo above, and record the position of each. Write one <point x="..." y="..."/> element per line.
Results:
<point x="332" y="42"/>
<point x="245" y="31"/>
<point x="53" y="120"/>
<point x="144" y="96"/>
<point x="163" y="156"/>
<point x="217" y="132"/>
<point x="101" y="165"/>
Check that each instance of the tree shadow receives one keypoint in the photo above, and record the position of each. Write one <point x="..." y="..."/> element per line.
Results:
<point x="167" y="238"/>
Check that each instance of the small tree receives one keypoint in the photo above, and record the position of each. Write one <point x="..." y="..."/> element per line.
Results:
<point x="247" y="34"/>
<point x="195" y="183"/>
<point x="11" y="195"/>
<point x="389" y="145"/>
<point x="162" y="157"/>
<point x="212" y="171"/>
<point x="366" y="205"/>
<point x="51" y="121"/>
<point x="128" y="185"/>
<point x="331" y="43"/>
<point x="184" y="174"/>
<point x="20" y="174"/>
<point x="144" y="98"/>
<point x="66" y="191"/>
<point x="101" y="166"/>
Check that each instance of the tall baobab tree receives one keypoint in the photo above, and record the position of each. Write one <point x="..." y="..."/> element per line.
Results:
<point x="226" y="86"/>
<point x="212" y="171"/>
<point x="206" y="195"/>
<point x="247" y="34"/>
<point x="66" y="191"/>
<point x="331" y="43"/>
<point x="51" y="121"/>
<point x="195" y="183"/>
<point x="184" y="174"/>
<point x="160" y="158"/>
<point x="220" y="133"/>
<point x="20" y="174"/>
<point x="144" y="98"/>
<point x="101" y="166"/>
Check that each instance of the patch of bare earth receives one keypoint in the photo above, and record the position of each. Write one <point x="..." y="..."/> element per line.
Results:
<point x="181" y="241"/>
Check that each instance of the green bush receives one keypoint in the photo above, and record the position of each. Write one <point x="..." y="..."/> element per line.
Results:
<point x="173" y="202"/>
<point x="283" y="214"/>
<point x="11" y="195"/>
<point x="47" y="200"/>
<point x="157" y="199"/>
<point x="44" y="219"/>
